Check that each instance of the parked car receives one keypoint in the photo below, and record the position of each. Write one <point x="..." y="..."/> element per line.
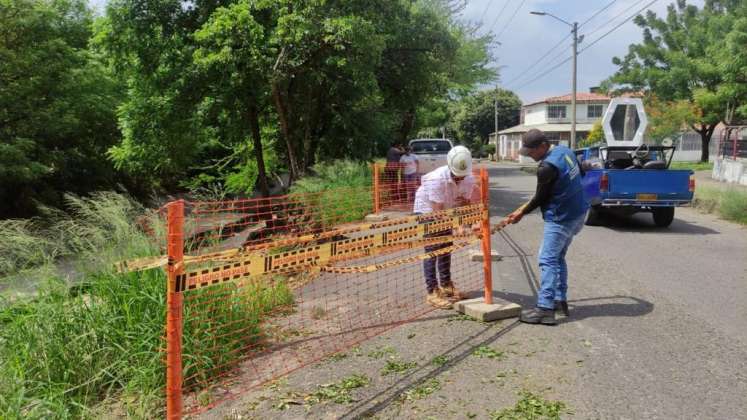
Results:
<point x="634" y="179"/>
<point x="431" y="153"/>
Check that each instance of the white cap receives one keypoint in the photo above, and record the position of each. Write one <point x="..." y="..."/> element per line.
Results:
<point x="459" y="160"/>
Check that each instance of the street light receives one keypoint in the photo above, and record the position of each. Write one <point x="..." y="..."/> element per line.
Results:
<point x="576" y="41"/>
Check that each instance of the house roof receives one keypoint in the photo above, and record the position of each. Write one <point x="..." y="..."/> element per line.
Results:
<point x="551" y="128"/>
<point x="580" y="97"/>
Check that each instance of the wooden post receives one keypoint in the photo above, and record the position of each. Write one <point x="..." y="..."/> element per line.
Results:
<point x="487" y="262"/>
<point x="376" y="192"/>
<point x="175" y="249"/>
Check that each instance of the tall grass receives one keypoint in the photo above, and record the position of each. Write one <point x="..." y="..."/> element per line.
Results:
<point x="342" y="191"/>
<point x="729" y="204"/>
<point x="94" y="348"/>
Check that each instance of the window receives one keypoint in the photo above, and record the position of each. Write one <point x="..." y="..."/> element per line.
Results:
<point x="594" y="111"/>
<point x="436" y="147"/>
<point x="556" y="111"/>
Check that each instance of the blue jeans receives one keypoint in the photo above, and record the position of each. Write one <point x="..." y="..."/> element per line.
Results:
<point x="556" y="239"/>
<point x="442" y="262"/>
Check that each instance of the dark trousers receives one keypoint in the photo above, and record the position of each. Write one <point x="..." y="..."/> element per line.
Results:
<point x="442" y="262"/>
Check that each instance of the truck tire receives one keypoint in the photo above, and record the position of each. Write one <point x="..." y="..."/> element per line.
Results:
<point x="663" y="216"/>
<point x="594" y="217"/>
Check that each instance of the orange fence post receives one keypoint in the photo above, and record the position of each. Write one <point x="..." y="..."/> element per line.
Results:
<point x="377" y="203"/>
<point x="487" y="264"/>
<point x="174" y="307"/>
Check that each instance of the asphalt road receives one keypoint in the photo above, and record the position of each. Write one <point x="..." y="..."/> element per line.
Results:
<point x="658" y="329"/>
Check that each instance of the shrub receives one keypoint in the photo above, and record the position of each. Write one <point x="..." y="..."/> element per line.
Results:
<point x="95" y="348"/>
<point x="341" y="190"/>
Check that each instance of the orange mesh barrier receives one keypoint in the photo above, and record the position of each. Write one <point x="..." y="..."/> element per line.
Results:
<point x="261" y="287"/>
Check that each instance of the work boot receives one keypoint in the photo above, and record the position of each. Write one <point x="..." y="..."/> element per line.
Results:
<point x="538" y="316"/>
<point x="562" y="306"/>
<point x="452" y="293"/>
<point x="436" y="298"/>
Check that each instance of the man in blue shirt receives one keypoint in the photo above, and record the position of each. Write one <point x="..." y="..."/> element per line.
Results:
<point x="560" y="197"/>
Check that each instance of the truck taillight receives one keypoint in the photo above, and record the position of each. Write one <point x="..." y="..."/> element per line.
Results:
<point x="604" y="183"/>
<point x="691" y="184"/>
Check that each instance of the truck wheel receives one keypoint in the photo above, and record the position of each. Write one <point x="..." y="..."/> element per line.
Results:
<point x="594" y="217"/>
<point x="663" y="216"/>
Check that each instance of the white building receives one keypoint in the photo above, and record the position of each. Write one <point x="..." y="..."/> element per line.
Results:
<point x="552" y="116"/>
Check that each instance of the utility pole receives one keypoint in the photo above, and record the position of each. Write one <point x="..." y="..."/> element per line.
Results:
<point x="576" y="41"/>
<point x="573" y="93"/>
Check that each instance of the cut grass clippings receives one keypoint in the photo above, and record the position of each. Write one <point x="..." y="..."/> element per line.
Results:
<point x="396" y="366"/>
<point x="487" y="352"/>
<point x="730" y="204"/>
<point x="531" y="407"/>
<point x="339" y="392"/>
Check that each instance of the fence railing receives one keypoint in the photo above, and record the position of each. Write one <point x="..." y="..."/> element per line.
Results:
<point x="261" y="287"/>
<point x="733" y="142"/>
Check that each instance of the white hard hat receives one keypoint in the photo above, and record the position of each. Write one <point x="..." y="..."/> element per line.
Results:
<point x="459" y="160"/>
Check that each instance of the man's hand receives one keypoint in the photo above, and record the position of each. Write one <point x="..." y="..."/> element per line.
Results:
<point x="461" y="201"/>
<point x="515" y="217"/>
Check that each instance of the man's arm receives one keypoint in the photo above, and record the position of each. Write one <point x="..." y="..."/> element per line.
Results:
<point x="546" y="177"/>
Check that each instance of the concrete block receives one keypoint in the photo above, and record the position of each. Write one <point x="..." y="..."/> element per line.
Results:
<point x="478" y="309"/>
<point x="376" y="217"/>
<point x="476" y="255"/>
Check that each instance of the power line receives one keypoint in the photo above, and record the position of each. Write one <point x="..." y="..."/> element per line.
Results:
<point x="605" y="24"/>
<point x="591" y="44"/>
<point x="618" y="25"/>
<point x="597" y="13"/>
<point x="490" y="28"/>
<point x="531" y="66"/>
<point x="511" y="18"/>
<point x="487" y="6"/>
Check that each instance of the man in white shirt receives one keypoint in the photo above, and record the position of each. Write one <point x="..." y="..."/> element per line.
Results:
<point x="444" y="188"/>
<point x="409" y="163"/>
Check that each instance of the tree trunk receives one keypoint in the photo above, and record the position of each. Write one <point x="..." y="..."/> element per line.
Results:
<point x="408" y="121"/>
<point x="282" y="111"/>
<point x="706" y="132"/>
<point x="264" y="189"/>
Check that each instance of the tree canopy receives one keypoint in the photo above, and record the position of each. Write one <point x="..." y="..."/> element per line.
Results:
<point x="682" y="59"/>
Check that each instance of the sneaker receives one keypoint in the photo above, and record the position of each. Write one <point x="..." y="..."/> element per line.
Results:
<point x="562" y="306"/>
<point x="538" y="316"/>
<point x="437" y="299"/>
<point x="452" y="293"/>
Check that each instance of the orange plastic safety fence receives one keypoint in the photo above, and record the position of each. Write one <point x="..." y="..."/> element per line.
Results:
<point x="269" y="285"/>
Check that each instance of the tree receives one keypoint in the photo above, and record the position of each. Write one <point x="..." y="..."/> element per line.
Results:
<point x="677" y="61"/>
<point x="474" y="117"/>
<point x="596" y="135"/>
<point x="668" y="118"/>
<point x="57" y="104"/>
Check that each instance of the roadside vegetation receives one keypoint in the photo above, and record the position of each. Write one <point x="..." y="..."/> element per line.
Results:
<point x="695" y="166"/>
<point x="730" y="203"/>
<point x="78" y="340"/>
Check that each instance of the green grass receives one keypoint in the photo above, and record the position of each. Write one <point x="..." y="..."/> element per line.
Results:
<point x="96" y="349"/>
<point x="329" y="179"/>
<point x="531" y="407"/>
<point x="382" y="352"/>
<point x="730" y="204"/>
<point x="695" y="166"/>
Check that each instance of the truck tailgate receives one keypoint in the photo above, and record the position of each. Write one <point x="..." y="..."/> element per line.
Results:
<point x="649" y="185"/>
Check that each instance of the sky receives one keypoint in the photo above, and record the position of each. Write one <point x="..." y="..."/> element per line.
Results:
<point x="524" y="38"/>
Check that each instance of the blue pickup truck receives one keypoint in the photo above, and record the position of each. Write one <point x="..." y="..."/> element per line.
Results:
<point x="627" y="179"/>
